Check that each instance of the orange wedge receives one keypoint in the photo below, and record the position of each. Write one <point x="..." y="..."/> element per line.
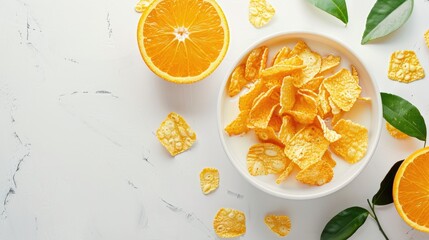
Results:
<point x="411" y="190"/>
<point x="183" y="41"/>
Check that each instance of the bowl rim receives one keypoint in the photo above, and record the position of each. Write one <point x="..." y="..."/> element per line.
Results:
<point x="377" y="130"/>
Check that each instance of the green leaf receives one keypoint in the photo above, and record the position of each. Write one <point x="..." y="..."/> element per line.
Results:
<point x="336" y="8"/>
<point x="384" y="194"/>
<point x="385" y="17"/>
<point x="344" y="224"/>
<point x="403" y="115"/>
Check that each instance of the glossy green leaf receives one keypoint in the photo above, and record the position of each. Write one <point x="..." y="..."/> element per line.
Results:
<point x="384" y="194"/>
<point x="344" y="224"/>
<point x="385" y="17"/>
<point x="403" y="115"/>
<point x="336" y="8"/>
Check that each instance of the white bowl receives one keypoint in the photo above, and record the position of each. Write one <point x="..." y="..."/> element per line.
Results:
<point x="368" y="114"/>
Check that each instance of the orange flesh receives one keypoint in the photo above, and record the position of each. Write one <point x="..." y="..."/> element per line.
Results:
<point x="187" y="41"/>
<point x="413" y="190"/>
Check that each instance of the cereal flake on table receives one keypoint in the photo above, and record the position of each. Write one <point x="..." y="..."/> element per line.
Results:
<point x="404" y="66"/>
<point x="175" y="134"/>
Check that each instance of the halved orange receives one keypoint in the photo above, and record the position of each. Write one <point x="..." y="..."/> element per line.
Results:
<point x="183" y="41"/>
<point x="411" y="190"/>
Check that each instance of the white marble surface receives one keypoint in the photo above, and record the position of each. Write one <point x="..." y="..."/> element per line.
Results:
<point x="78" y="111"/>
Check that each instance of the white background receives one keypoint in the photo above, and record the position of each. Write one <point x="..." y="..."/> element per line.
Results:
<point x="79" y="108"/>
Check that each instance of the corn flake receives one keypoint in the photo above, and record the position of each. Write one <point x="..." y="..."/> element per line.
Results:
<point x="175" y="134"/>
<point x="405" y="67"/>
<point x="305" y="109"/>
<point x="265" y="158"/>
<point x="255" y="63"/>
<point x="355" y="73"/>
<point x="263" y="109"/>
<point x="238" y="125"/>
<point x="343" y="89"/>
<point x="328" y="63"/>
<point x="268" y="135"/>
<point x="313" y="84"/>
<point x="327" y="157"/>
<point x="287" y="94"/>
<point x="260" y="13"/>
<point x="307" y="146"/>
<point x="229" y="223"/>
<point x="281" y="55"/>
<point x="317" y="174"/>
<point x="395" y="132"/>
<point x="323" y="106"/>
<point x="278" y="224"/>
<point x="237" y="80"/>
<point x="311" y="60"/>
<point x="329" y="134"/>
<point x="209" y="180"/>
<point x="245" y="101"/>
<point x="283" y="68"/>
<point x="276" y="121"/>
<point x="353" y="144"/>
<point x="286" y="172"/>
<point x="287" y="130"/>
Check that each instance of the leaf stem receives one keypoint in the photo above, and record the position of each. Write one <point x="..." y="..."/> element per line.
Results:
<point x="424" y="144"/>
<point x="374" y="215"/>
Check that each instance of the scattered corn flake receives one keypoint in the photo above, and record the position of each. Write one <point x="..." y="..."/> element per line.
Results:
<point x="287" y="130"/>
<point x="239" y="124"/>
<point x="327" y="157"/>
<point x="353" y="144"/>
<point x="175" y="134"/>
<point x="260" y="13"/>
<point x="305" y="109"/>
<point x="255" y="63"/>
<point x="245" y="101"/>
<point x="404" y="66"/>
<point x="268" y="135"/>
<point x="343" y="89"/>
<point x="209" y="180"/>
<point x="281" y="55"/>
<point x="265" y="158"/>
<point x="287" y="94"/>
<point x="307" y="146"/>
<point x="229" y="223"/>
<point x="311" y="60"/>
<point x="286" y="172"/>
<point x="263" y="109"/>
<point x="237" y="80"/>
<point x="328" y="63"/>
<point x="395" y="132"/>
<point x="329" y="134"/>
<point x="427" y="38"/>
<point x="278" y="224"/>
<point x="318" y="174"/>
<point x="142" y="5"/>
